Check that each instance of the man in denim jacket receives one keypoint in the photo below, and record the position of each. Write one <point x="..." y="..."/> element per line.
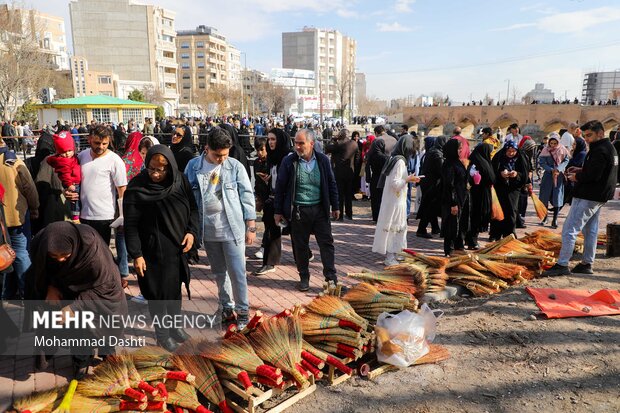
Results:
<point x="228" y="220"/>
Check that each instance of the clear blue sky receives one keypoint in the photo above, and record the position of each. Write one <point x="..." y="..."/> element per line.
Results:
<point x="425" y="46"/>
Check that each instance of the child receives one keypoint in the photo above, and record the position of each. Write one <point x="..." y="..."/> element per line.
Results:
<point x="66" y="166"/>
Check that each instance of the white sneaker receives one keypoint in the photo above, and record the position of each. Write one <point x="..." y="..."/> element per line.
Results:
<point x="259" y="254"/>
<point x="390" y="261"/>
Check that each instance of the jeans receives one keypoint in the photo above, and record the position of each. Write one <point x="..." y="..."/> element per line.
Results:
<point x="121" y="252"/>
<point x="582" y="216"/>
<point x="14" y="283"/>
<point x="409" y="187"/>
<point x="227" y="260"/>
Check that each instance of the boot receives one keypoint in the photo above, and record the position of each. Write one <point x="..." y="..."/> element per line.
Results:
<point x="554" y="222"/>
<point x="164" y="340"/>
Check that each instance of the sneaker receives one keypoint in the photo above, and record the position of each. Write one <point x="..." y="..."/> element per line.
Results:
<point x="242" y="321"/>
<point x="582" y="268"/>
<point x="556" y="270"/>
<point x="228" y="315"/>
<point x="265" y="269"/>
<point x="304" y="285"/>
<point x="390" y="261"/>
<point x="259" y="254"/>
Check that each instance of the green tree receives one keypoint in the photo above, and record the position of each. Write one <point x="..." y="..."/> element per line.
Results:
<point x="27" y="112"/>
<point x="136" y="95"/>
<point x="160" y="113"/>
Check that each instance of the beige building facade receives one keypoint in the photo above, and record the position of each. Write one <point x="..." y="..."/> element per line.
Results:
<point x="134" y="42"/>
<point x="205" y="59"/>
<point x="331" y="55"/>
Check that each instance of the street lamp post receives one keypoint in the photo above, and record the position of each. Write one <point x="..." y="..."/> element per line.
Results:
<point x="507" y="90"/>
<point x="245" y="69"/>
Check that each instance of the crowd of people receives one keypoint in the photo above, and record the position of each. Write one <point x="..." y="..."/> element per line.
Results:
<point x="163" y="199"/>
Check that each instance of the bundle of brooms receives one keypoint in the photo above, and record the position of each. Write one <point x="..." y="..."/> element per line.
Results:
<point x="405" y="277"/>
<point x="369" y="302"/>
<point x="236" y="351"/>
<point x="331" y="324"/>
<point x="548" y="240"/>
<point x="43" y="401"/>
<point x="187" y="358"/>
<point x="182" y="394"/>
<point x="277" y="341"/>
<point x="110" y="379"/>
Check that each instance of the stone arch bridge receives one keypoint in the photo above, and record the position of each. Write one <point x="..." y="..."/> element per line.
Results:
<point x="534" y="120"/>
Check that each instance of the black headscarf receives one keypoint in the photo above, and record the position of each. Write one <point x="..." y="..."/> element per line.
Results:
<point x="481" y="158"/>
<point x="236" y="151"/>
<point x="168" y="196"/>
<point x="283" y="147"/>
<point x="405" y="148"/>
<point x="183" y="151"/>
<point x="90" y="265"/>
<point x="45" y="148"/>
<point x="429" y="141"/>
<point x="451" y="151"/>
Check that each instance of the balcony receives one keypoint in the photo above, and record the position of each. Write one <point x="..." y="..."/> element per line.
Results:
<point x="170" y="77"/>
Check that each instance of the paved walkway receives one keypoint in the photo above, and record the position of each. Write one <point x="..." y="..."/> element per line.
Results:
<point x="269" y="293"/>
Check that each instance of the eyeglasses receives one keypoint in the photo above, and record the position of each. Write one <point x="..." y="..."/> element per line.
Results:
<point x="158" y="171"/>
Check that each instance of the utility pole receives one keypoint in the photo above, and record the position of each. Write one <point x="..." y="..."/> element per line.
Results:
<point x="508" y="91"/>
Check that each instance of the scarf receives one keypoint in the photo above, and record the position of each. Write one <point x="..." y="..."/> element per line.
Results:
<point x="131" y="157"/>
<point x="506" y="162"/>
<point x="559" y="153"/>
<point x="404" y="150"/>
<point x="481" y="158"/>
<point x="283" y="147"/>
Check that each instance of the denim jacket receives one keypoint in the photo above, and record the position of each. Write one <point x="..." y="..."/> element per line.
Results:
<point x="236" y="192"/>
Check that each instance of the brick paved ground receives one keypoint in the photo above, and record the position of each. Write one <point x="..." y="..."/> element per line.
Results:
<point x="269" y="293"/>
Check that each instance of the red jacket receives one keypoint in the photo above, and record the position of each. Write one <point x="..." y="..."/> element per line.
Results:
<point x="68" y="169"/>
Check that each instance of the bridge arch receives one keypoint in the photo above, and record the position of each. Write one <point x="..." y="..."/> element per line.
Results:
<point x="434" y="127"/>
<point x="610" y="123"/>
<point x="554" y="125"/>
<point x="502" y="122"/>
<point x="467" y="123"/>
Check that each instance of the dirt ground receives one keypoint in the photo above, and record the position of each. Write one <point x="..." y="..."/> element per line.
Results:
<point x="503" y="359"/>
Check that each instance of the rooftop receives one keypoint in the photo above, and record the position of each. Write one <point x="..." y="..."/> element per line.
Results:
<point x="98" y="100"/>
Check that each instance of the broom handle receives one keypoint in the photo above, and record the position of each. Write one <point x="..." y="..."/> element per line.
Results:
<point x="334" y="362"/>
<point x="313" y="370"/>
<point x="127" y="405"/>
<point x="224" y="407"/>
<point x="311" y="358"/>
<point x="65" y="405"/>
<point x="202" y="409"/>
<point x="163" y="392"/>
<point x="135" y="394"/>
<point x="244" y="378"/>
<point x="179" y="375"/>
<point x="148" y="388"/>
<point x="266" y="371"/>
<point x="349" y="324"/>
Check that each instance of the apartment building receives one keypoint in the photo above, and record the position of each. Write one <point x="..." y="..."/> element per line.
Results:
<point x="331" y="55"/>
<point x="132" y="41"/>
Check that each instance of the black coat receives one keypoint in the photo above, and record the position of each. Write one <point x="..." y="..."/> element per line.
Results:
<point x="430" y="185"/>
<point x="597" y="179"/>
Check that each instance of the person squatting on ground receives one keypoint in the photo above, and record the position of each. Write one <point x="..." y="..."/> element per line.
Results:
<point x="305" y="191"/>
<point x="227" y="220"/>
<point x="595" y="184"/>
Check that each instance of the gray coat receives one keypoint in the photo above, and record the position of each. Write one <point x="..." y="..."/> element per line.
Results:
<point x="550" y="193"/>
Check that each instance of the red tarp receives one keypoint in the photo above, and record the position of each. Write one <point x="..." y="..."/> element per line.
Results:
<point x="557" y="303"/>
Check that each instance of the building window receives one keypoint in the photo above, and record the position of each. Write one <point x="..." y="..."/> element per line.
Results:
<point x="201" y="85"/>
<point x="185" y="45"/>
<point x="101" y="115"/>
<point x="104" y="80"/>
<point x="200" y="45"/>
<point x="186" y="86"/>
<point x="135" y="114"/>
<point x="184" y="55"/>
<point x="200" y="55"/>
<point x="186" y="76"/>
<point x="201" y="75"/>
<point x="185" y="65"/>
<point x="201" y="65"/>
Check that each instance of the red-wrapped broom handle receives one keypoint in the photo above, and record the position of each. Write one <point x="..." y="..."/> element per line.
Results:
<point x="163" y="391"/>
<point x="180" y="375"/>
<point x="315" y="372"/>
<point x="344" y="353"/>
<point x="332" y="361"/>
<point x="244" y="378"/>
<point x="224" y="407"/>
<point x="202" y="409"/>
<point x="135" y="394"/>
<point x="269" y="372"/>
<point x="148" y="388"/>
<point x="254" y="321"/>
<point x="302" y="371"/>
<point x="178" y="409"/>
<point x="285" y="313"/>
<point x="349" y="324"/>
<point x="410" y="252"/>
<point x="270" y="383"/>
<point x="312" y="359"/>
<point x="127" y="405"/>
<point x="156" y="406"/>
<point x="230" y="330"/>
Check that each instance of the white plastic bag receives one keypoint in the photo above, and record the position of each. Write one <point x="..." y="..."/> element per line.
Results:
<point x="404" y="337"/>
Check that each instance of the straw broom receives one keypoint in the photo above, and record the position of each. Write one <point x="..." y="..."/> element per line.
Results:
<point x="436" y="353"/>
<point x="184" y="395"/>
<point x="152" y="356"/>
<point x="503" y="270"/>
<point x="364" y="293"/>
<point x="431" y="261"/>
<point x="541" y="209"/>
<point x="313" y="321"/>
<point x="39" y="401"/>
<point x="105" y="405"/>
<point x="331" y="306"/>
<point x="497" y="213"/>
<point x="135" y="380"/>
<point x="109" y="379"/>
<point x="405" y="277"/>
<point x="159" y="373"/>
<point x="206" y="382"/>
<point x="278" y="341"/>
<point x="309" y="349"/>
<point x="333" y="332"/>
<point x="237" y="351"/>
<point x="235" y="373"/>
<point x="65" y="404"/>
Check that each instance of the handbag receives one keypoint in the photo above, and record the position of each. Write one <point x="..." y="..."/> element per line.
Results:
<point x="7" y="254"/>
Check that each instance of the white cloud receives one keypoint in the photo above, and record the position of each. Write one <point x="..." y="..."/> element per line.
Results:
<point x="392" y="27"/>
<point x="513" y="27"/>
<point x="540" y="8"/>
<point x="403" y="6"/>
<point x="347" y="13"/>
<point x="578" y="21"/>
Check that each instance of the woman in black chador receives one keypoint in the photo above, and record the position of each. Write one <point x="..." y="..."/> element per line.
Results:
<point x="161" y="224"/>
<point x="481" y="178"/>
<point x="454" y="198"/>
<point x="430" y="185"/>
